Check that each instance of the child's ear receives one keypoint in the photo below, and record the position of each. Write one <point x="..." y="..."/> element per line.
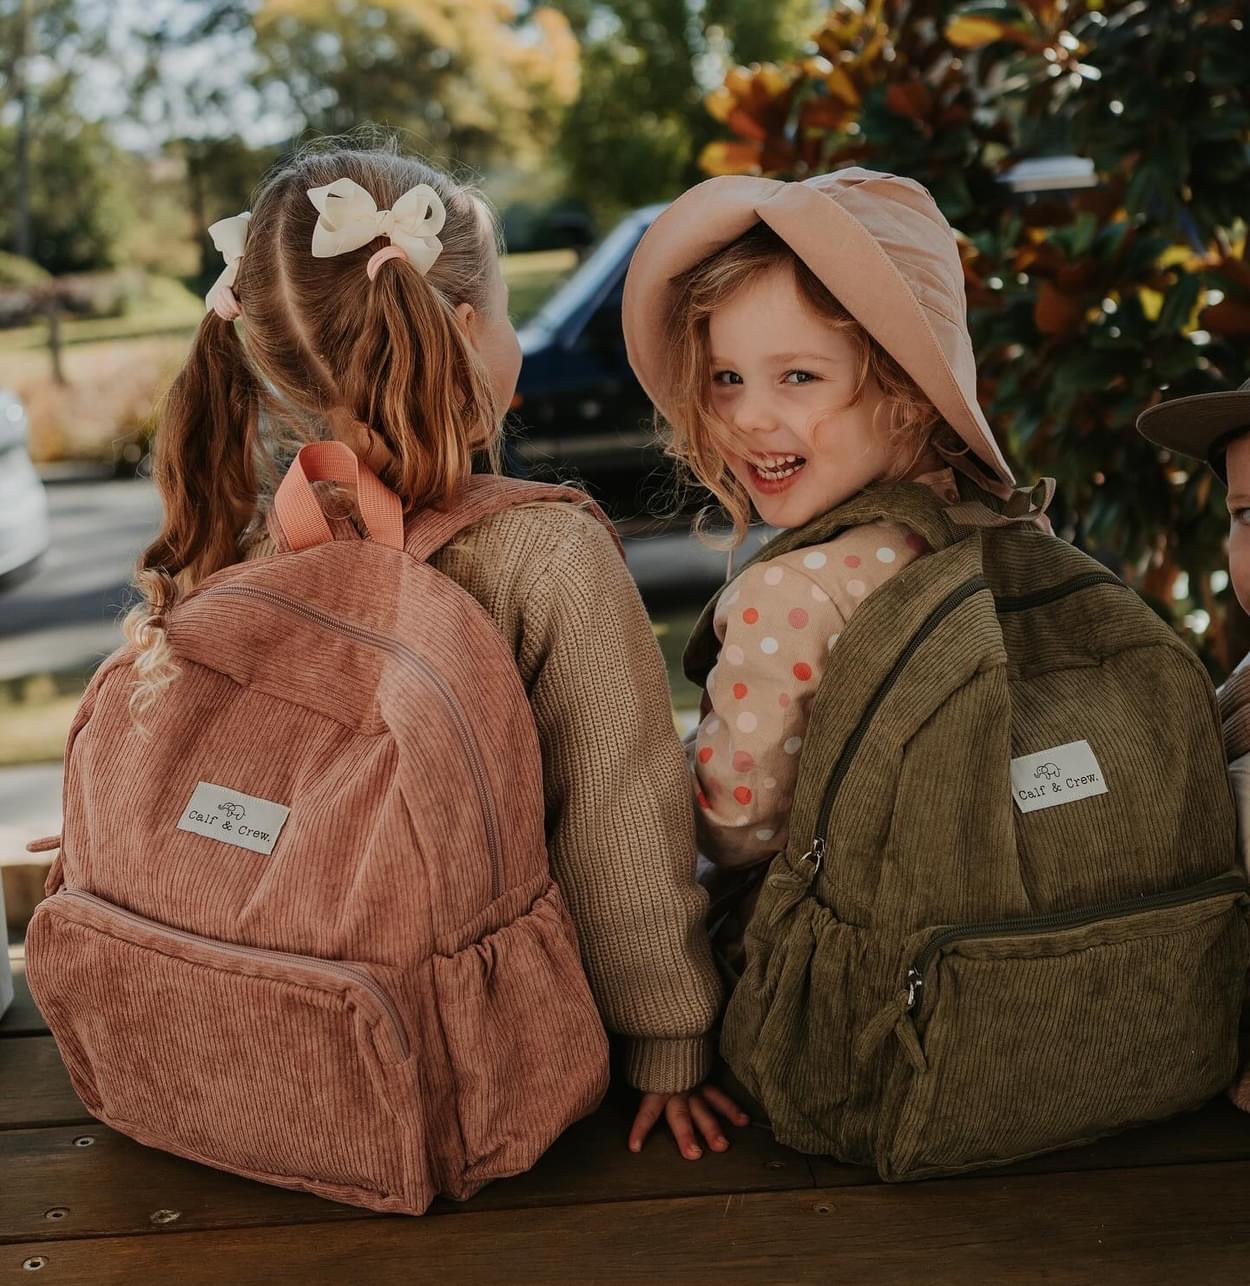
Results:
<point x="466" y="315"/>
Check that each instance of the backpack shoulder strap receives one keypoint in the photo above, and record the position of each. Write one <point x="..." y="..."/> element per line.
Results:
<point x="481" y="496"/>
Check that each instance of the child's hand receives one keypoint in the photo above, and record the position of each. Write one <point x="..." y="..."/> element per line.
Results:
<point x="683" y="1111"/>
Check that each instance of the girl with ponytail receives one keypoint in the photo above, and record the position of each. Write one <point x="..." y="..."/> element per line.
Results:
<point x="363" y="301"/>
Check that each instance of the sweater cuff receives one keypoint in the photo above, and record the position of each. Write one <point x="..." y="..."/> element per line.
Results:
<point x="660" y="1066"/>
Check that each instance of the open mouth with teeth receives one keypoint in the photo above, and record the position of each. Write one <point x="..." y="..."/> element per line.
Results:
<point x="769" y="472"/>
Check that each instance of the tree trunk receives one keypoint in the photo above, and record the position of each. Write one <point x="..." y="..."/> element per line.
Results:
<point x="53" y="310"/>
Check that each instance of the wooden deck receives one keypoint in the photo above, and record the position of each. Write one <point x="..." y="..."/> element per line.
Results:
<point x="80" y="1203"/>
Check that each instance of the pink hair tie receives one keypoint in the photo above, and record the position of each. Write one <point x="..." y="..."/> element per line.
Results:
<point x="377" y="259"/>
<point x="223" y="301"/>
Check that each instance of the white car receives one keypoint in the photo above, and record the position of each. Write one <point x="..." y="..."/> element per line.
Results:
<point x="24" y="531"/>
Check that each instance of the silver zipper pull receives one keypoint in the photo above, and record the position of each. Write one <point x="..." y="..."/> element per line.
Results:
<point x="915" y="984"/>
<point x="815" y="855"/>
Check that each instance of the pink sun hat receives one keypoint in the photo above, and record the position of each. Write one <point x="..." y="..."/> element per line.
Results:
<point x="880" y="245"/>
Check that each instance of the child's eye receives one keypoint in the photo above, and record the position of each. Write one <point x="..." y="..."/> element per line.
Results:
<point x="726" y="377"/>
<point x="1241" y="516"/>
<point x="803" y="377"/>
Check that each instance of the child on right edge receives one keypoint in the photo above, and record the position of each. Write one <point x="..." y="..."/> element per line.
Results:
<point x="1215" y="427"/>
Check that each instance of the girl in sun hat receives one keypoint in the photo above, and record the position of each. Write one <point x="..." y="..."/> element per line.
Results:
<point x="801" y="341"/>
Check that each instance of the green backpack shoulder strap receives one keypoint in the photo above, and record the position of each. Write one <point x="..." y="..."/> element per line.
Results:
<point x="912" y="504"/>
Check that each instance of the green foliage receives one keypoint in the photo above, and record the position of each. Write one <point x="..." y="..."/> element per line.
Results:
<point x="24" y="273"/>
<point x="635" y="132"/>
<point x="476" y="80"/>
<point x="1084" y="306"/>
<point x="77" y="206"/>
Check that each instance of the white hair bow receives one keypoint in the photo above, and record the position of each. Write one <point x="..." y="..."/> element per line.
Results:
<point x="228" y="236"/>
<point x="350" y="218"/>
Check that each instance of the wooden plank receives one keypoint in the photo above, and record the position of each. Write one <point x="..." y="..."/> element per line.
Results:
<point x="1216" y="1132"/>
<point x="34" y="1086"/>
<point x="114" y="1185"/>
<point x="22" y="1018"/>
<point x="1164" y="1225"/>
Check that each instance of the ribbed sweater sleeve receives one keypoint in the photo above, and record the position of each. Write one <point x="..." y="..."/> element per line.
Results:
<point x="620" y="824"/>
<point x="620" y="830"/>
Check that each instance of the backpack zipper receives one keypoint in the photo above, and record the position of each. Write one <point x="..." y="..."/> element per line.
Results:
<point x="816" y="854"/>
<point x="1061" y="920"/>
<point x="432" y="676"/>
<point x="331" y="967"/>
<point x="1038" y="598"/>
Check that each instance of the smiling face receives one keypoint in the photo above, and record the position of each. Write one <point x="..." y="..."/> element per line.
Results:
<point x="1237" y="464"/>
<point x="784" y="394"/>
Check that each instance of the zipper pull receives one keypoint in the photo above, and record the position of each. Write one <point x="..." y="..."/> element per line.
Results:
<point x="815" y="855"/>
<point x="795" y="881"/>
<point x="891" y="1020"/>
<point x="915" y="985"/>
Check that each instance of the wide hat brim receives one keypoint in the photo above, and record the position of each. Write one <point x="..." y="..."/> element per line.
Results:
<point x="1200" y="426"/>
<point x="852" y="229"/>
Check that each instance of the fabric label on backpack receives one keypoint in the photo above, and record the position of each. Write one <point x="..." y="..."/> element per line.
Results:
<point x="1059" y="776"/>
<point x="233" y="817"/>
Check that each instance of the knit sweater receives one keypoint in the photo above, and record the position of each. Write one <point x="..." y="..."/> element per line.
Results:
<point x="620" y="830"/>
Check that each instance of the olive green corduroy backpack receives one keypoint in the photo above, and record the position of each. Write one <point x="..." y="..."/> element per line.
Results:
<point x="1008" y="920"/>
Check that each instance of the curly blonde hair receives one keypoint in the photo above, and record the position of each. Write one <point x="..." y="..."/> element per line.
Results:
<point x="321" y="351"/>
<point x="690" y="434"/>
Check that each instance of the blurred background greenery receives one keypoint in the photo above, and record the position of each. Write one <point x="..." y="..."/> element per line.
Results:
<point x="127" y="127"/>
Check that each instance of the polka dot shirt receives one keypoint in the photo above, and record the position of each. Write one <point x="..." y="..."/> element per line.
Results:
<point x="778" y="623"/>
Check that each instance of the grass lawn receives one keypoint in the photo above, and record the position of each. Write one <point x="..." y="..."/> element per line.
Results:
<point x="117" y="368"/>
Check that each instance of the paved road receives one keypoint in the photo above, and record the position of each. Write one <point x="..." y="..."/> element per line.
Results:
<point x="65" y="618"/>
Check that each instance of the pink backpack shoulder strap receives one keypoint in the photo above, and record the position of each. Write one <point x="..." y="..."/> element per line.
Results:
<point x="485" y="494"/>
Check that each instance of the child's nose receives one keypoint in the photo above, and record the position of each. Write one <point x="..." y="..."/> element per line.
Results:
<point x="754" y="414"/>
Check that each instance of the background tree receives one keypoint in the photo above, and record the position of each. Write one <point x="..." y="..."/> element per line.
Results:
<point x="1083" y="305"/>
<point x="61" y="199"/>
<point x="478" y="80"/>
<point x="635" y="132"/>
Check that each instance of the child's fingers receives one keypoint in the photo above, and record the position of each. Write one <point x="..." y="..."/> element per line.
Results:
<point x="725" y="1105"/>
<point x="648" y="1113"/>
<point x="678" y="1113"/>
<point x="708" y="1125"/>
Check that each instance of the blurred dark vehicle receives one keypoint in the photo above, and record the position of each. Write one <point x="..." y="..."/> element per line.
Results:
<point x="24" y="531"/>
<point x="580" y="415"/>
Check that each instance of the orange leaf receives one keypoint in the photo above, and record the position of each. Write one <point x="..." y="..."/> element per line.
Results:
<point x="1055" y="312"/>
<point x="843" y="87"/>
<point x="738" y="81"/>
<point x="910" y="98"/>
<point x="825" y="114"/>
<point x="746" y="126"/>
<point x="1228" y="317"/>
<point x="773" y="80"/>
<point x="970" y="32"/>
<point x="719" y="103"/>
<point x="730" y="158"/>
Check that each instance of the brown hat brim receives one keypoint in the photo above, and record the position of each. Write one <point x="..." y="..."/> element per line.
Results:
<point x="1200" y="426"/>
<point x="845" y="255"/>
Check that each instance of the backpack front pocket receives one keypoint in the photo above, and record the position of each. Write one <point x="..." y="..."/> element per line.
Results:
<point x="528" y="1052"/>
<point x="1047" y="1033"/>
<point x="288" y="1069"/>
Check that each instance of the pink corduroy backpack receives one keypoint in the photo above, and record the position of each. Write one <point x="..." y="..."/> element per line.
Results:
<point x="302" y="926"/>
